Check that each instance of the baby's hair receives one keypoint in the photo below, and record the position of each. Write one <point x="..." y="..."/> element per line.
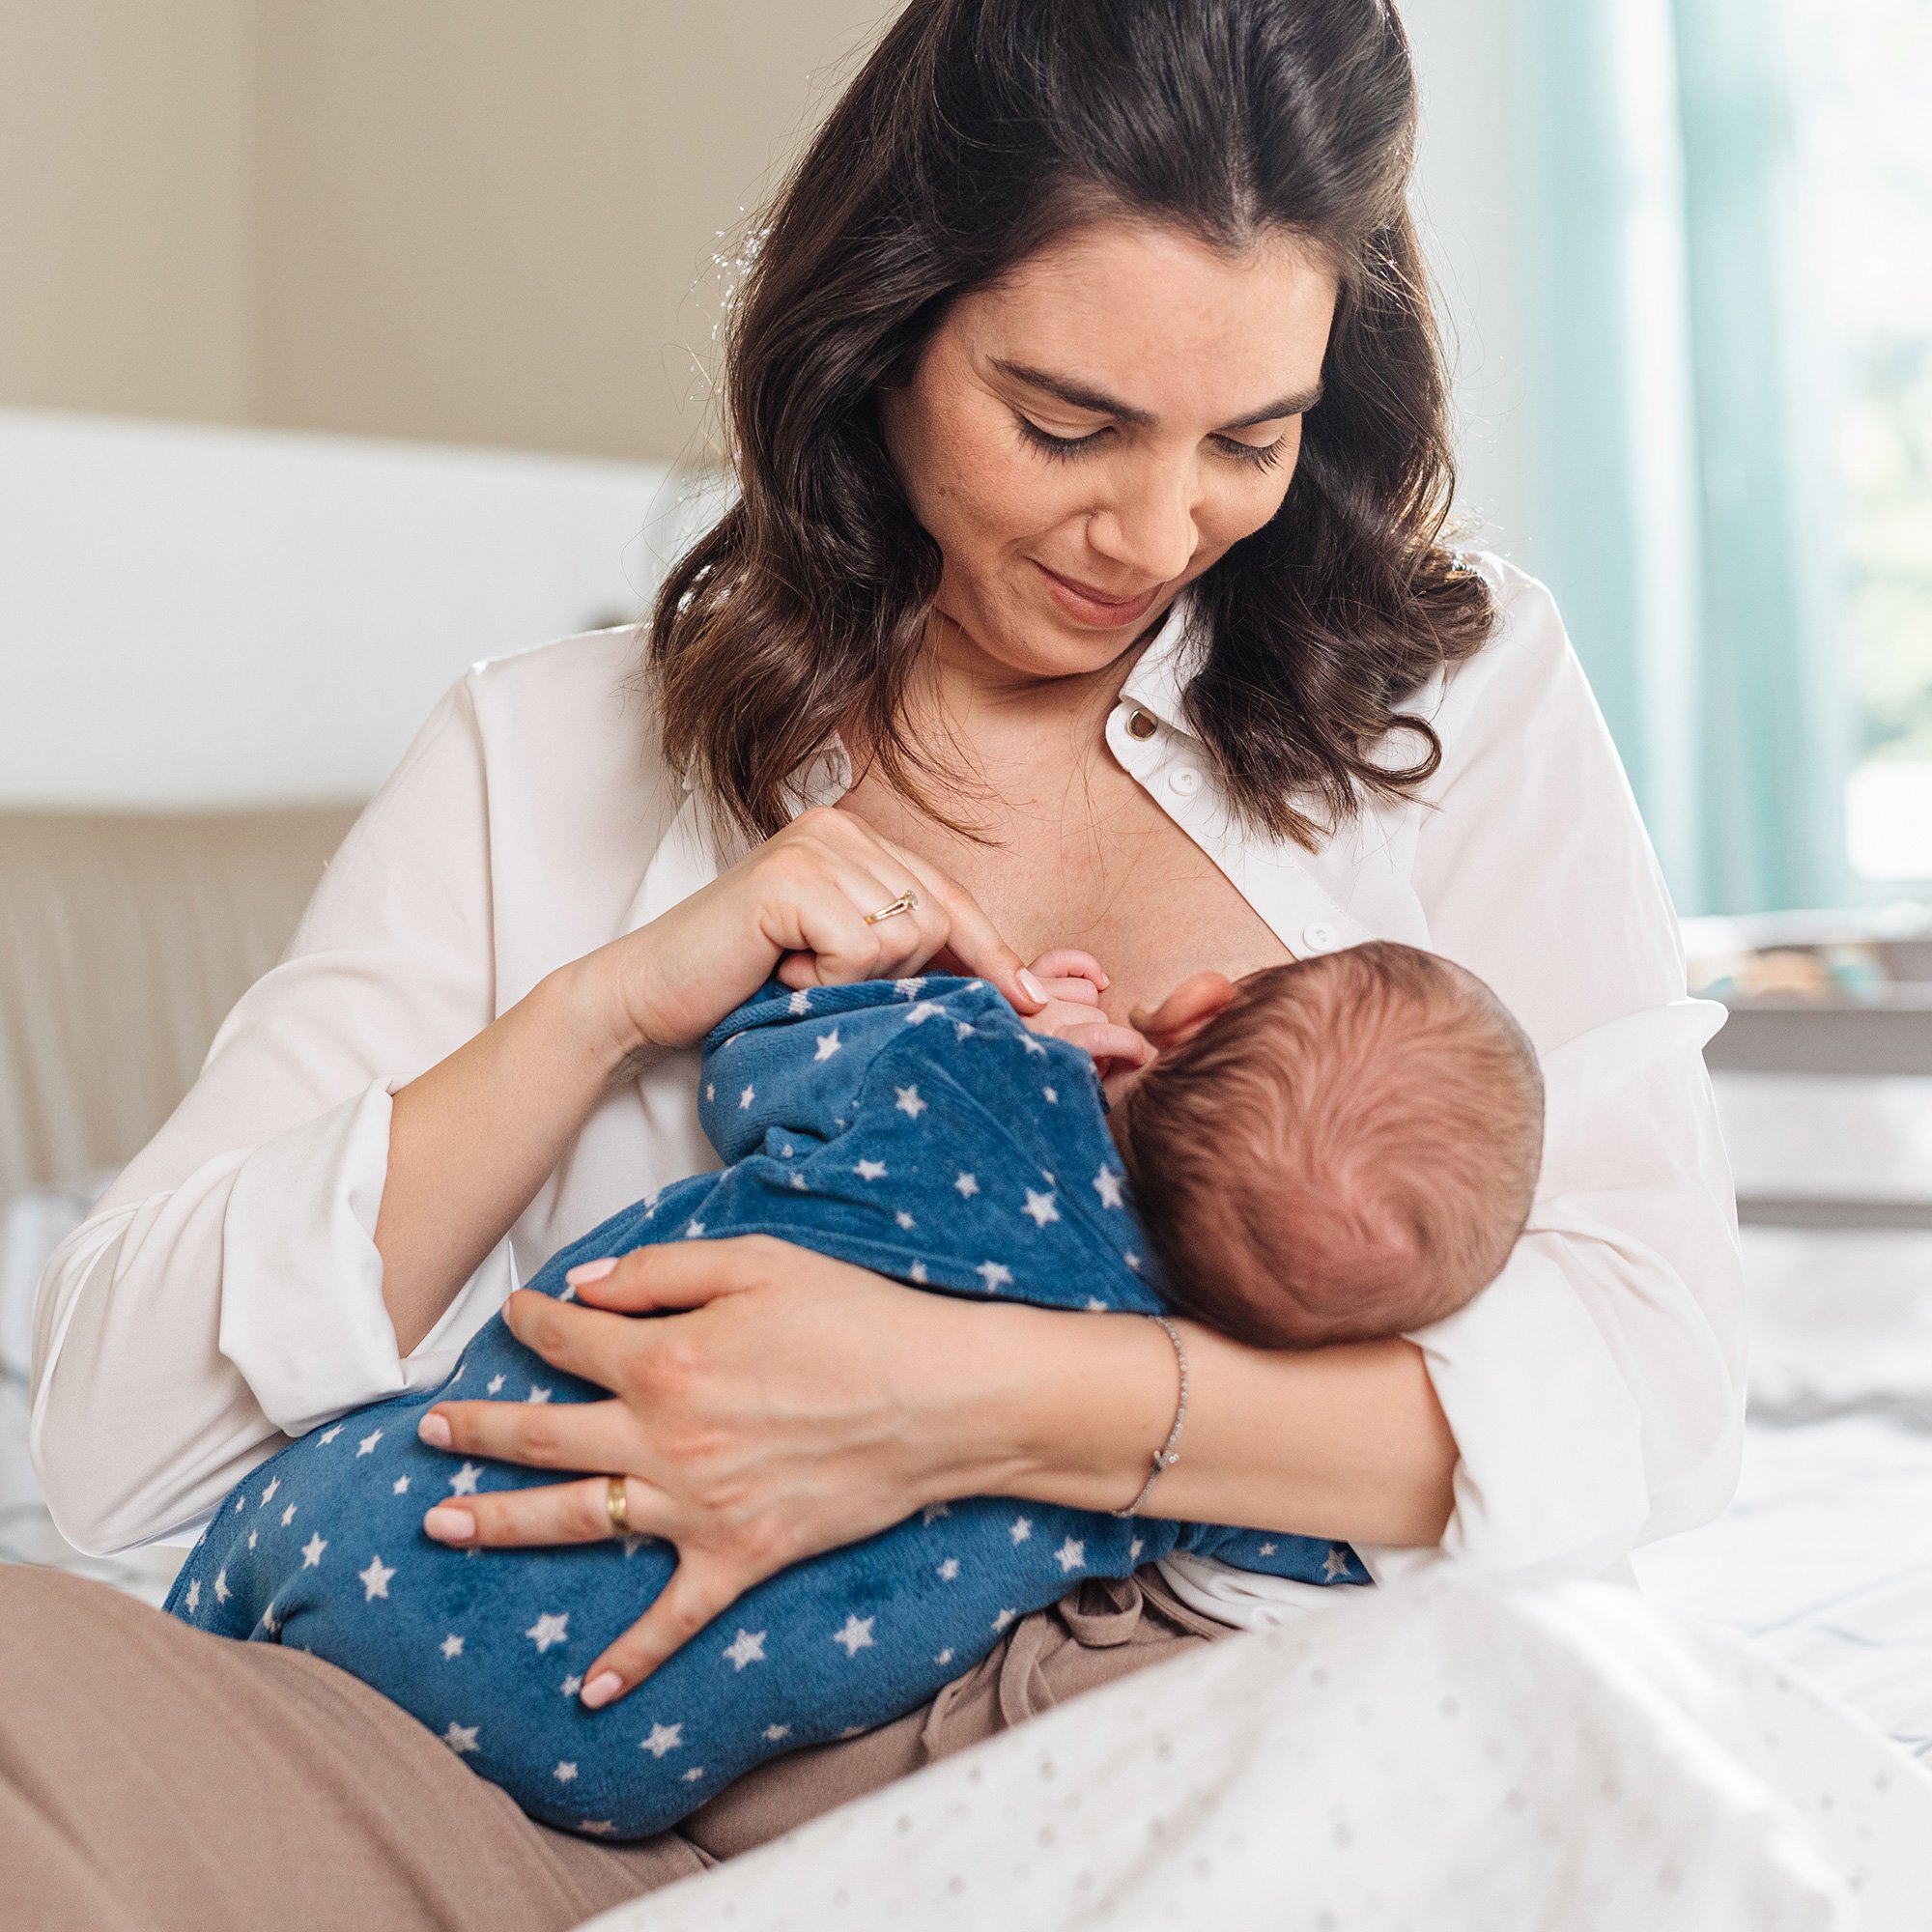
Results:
<point x="1348" y="1150"/>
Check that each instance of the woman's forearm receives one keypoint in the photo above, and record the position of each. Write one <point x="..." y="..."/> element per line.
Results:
<point x="1347" y="1442"/>
<point x="472" y="1140"/>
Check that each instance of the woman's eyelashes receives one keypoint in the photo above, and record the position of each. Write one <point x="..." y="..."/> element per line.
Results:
<point x="1065" y="448"/>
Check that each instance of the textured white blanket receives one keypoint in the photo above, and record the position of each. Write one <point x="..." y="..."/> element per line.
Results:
<point x="1440" y="1756"/>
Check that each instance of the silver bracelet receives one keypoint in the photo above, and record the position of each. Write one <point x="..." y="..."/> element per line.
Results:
<point x="1169" y="1452"/>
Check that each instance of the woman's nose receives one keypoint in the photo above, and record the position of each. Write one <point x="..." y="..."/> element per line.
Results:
<point x="1148" y="527"/>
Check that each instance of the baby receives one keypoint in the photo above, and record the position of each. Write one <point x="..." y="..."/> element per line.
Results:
<point x="1337" y="1148"/>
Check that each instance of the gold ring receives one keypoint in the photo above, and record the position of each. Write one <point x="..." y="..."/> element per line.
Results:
<point x="617" y="1506"/>
<point x="907" y="901"/>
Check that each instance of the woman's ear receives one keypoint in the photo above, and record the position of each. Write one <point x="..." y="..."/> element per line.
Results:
<point x="1197" y="1000"/>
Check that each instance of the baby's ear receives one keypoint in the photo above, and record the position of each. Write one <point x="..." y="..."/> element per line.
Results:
<point x="1197" y="1000"/>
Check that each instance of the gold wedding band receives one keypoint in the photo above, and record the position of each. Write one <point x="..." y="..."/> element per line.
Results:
<point x="617" y="1506"/>
<point x="907" y="901"/>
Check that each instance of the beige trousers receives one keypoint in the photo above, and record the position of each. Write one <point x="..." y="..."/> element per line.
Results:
<point x="153" y="1776"/>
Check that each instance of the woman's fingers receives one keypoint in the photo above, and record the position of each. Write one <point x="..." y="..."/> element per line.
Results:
<point x="679" y="1275"/>
<point x="544" y="1434"/>
<point x="697" y="1592"/>
<point x="577" y="1511"/>
<point x="973" y="939"/>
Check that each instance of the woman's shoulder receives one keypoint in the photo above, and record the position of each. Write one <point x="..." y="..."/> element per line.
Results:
<point x="1526" y="667"/>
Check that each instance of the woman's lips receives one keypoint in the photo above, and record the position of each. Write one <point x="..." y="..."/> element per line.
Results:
<point x="1087" y="606"/>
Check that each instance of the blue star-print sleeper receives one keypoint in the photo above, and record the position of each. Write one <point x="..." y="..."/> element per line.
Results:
<point x="916" y="1128"/>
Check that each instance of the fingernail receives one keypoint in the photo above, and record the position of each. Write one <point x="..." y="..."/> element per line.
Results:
<point x="450" y="1525"/>
<point x="1031" y="987"/>
<point x="434" y="1429"/>
<point x="590" y="1271"/>
<point x="602" y="1688"/>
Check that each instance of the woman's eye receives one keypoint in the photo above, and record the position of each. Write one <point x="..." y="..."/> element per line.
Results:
<point x="1257" y="456"/>
<point x="1057" y="445"/>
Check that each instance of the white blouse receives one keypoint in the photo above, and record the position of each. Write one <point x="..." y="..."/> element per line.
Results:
<point x="227" y="1290"/>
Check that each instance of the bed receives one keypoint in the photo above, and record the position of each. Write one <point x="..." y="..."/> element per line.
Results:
<point x="124" y="938"/>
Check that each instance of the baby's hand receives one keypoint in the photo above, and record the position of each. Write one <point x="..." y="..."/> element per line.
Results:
<point x="1074" y="981"/>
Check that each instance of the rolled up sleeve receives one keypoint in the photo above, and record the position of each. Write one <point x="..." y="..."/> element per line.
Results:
<point x="227" y="1290"/>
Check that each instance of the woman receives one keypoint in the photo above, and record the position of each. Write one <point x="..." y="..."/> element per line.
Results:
<point x="1084" y="588"/>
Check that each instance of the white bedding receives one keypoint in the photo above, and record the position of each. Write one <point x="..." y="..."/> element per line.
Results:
<point x="1433" y="1756"/>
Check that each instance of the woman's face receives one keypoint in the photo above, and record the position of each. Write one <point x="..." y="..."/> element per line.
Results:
<point x="1092" y="434"/>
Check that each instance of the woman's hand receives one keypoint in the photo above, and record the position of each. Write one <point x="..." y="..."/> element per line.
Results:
<point x="1074" y="983"/>
<point x="797" y="907"/>
<point x="782" y="1415"/>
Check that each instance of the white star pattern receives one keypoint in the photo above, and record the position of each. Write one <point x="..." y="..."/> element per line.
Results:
<point x="312" y="1550"/>
<point x="949" y="1570"/>
<point x="1004" y="1617"/>
<point x="1135" y="1550"/>
<point x="452" y="1645"/>
<point x="1267" y="1550"/>
<point x="1052" y="1095"/>
<point x="288" y="1515"/>
<point x="241" y="1503"/>
<point x="538" y="1395"/>
<point x="495" y="1386"/>
<point x="747" y="1647"/>
<point x="269" y="1494"/>
<point x="945" y="1656"/>
<point x="329" y="1434"/>
<point x="460" y="1738"/>
<point x="549" y="1628"/>
<point x="856" y="1635"/>
<point x="269" y="1622"/>
<point x="919" y="1015"/>
<point x="1031" y="1044"/>
<point x="1021" y="1529"/>
<point x="869" y="1169"/>
<point x="800" y="1004"/>
<point x="596" y="1827"/>
<point x="571" y="1686"/>
<point x="222" y="1592"/>
<point x="932" y="1512"/>
<point x="399" y="1487"/>
<point x="774" y="1732"/>
<point x="825" y="1046"/>
<point x="798" y="1182"/>
<point x="693" y="1231"/>
<point x="918" y="1272"/>
<point x="710" y="1089"/>
<point x="909" y="1104"/>
<point x="367" y="1445"/>
<point x="1040" y="1207"/>
<point x="962" y="1029"/>
<point x="375" y="1580"/>
<point x="1133" y="1262"/>
<point x="746" y="1099"/>
<point x="908" y="990"/>
<point x="905" y="1221"/>
<point x="195" y="1596"/>
<point x="1107" y="1186"/>
<point x="463" y="1482"/>
<point x="1096" y="1306"/>
<point x="565" y="1773"/>
<point x="968" y="1186"/>
<point x="1335" y="1563"/>
<point x="251" y="1539"/>
<point x="692" y="1776"/>
<point x="1071" y="1556"/>
<point x="663" y="1737"/>
<point x="996" y="1275"/>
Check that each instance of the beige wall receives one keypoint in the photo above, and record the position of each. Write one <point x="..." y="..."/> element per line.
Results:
<point x="467" y="221"/>
<point x="124" y="209"/>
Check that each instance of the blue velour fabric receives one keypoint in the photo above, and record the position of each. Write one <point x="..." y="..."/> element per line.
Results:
<point x="915" y="1128"/>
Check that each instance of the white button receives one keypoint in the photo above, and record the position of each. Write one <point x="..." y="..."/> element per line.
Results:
<point x="1320" y="938"/>
<point x="1184" y="779"/>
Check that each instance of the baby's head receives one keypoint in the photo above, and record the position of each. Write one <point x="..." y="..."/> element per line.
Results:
<point x="1346" y="1149"/>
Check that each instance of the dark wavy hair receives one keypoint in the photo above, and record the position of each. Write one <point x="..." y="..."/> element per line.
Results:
<point x="978" y="131"/>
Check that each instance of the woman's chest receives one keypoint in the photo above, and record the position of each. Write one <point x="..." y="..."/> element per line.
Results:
<point x="1109" y="871"/>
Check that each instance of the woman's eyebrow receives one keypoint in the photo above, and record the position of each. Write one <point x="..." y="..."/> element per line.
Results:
<point x="1077" y="395"/>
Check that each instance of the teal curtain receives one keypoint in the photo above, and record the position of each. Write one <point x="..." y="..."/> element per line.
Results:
<point x="1678" y="510"/>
